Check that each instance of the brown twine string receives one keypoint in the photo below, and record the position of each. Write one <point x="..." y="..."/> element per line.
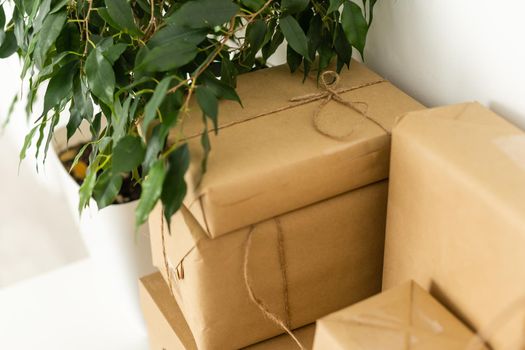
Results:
<point x="164" y="253"/>
<point x="316" y="96"/>
<point x="482" y="337"/>
<point x="258" y="302"/>
<point x="282" y="264"/>
<point x="329" y="82"/>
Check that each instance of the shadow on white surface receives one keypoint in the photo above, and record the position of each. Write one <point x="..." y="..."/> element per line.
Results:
<point x="37" y="232"/>
<point x="66" y="309"/>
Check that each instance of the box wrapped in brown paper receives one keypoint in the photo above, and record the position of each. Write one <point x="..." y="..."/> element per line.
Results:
<point x="301" y="265"/>
<point x="456" y="217"/>
<point x="273" y="156"/>
<point x="168" y="329"/>
<point x="404" y="317"/>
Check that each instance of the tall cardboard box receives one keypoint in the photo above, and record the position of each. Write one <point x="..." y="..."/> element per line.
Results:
<point x="456" y="216"/>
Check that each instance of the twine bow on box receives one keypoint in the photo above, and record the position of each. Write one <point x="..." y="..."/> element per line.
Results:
<point x="329" y="82"/>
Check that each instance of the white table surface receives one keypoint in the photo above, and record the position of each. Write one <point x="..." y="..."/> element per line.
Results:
<point x="65" y="309"/>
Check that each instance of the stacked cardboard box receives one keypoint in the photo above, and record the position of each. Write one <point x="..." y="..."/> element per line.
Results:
<point x="290" y="215"/>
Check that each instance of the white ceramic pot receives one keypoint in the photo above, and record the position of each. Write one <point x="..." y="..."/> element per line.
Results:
<point x="121" y="254"/>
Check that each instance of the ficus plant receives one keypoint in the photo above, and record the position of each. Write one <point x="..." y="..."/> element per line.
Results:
<point x="129" y="68"/>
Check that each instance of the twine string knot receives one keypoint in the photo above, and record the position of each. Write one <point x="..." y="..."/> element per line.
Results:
<point x="329" y="83"/>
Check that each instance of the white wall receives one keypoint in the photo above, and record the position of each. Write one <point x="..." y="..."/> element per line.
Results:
<point x="449" y="51"/>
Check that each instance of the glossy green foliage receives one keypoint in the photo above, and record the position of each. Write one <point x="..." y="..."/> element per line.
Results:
<point x="128" y="68"/>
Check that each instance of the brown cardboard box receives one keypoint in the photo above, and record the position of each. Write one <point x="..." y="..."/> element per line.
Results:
<point x="401" y="318"/>
<point x="456" y="215"/>
<point x="265" y="163"/>
<point x="168" y="329"/>
<point x="333" y="257"/>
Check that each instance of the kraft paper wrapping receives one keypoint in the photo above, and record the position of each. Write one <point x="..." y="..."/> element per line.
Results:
<point x="334" y="256"/>
<point x="402" y="318"/>
<point x="168" y="330"/>
<point x="456" y="216"/>
<point x="262" y="167"/>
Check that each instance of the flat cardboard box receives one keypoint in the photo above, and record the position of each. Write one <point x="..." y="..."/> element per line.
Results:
<point x="333" y="257"/>
<point x="168" y="329"/>
<point x="404" y="317"/>
<point x="265" y="163"/>
<point x="456" y="216"/>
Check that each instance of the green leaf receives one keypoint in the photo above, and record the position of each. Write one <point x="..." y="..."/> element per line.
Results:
<point x="100" y="76"/>
<point x="2" y="18"/>
<point x="43" y="9"/>
<point x="294" y="35"/>
<point x="294" y="6"/>
<point x="253" y="5"/>
<point x="51" y="133"/>
<point x="209" y="104"/>
<point x="293" y="59"/>
<point x="334" y="6"/>
<point x="120" y="118"/>
<point x="81" y="107"/>
<point x="86" y="189"/>
<point x="371" y="5"/>
<point x="167" y="57"/>
<point x="107" y="188"/>
<point x="150" y="111"/>
<point x="325" y="55"/>
<point x="60" y="87"/>
<point x="95" y="125"/>
<point x="58" y="6"/>
<point x="9" y="46"/>
<point x="173" y="34"/>
<point x="354" y="25"/>
<point x="69" y="39"/>
<point x="51" y="29"/>
<point x="255" y="33"/>
<point x="203" y="13"/>
<point x="228" y="72"/>
<point x="155" y="145"/>
<point x="270" y="48"/>
<point x="314" y="35"/>
<point x="151" y="191"/>
<point x="206" y="148"/>
<point x="113" y="52"/>
<point x="122" y="14"/>
<point x="128" y="154"/>
<point x="27" y="142"/>
<point x="174" y="188"/>
<point x="220" y="88"/>
<point x="104" y="14"/>
<point x="342" y="48"/>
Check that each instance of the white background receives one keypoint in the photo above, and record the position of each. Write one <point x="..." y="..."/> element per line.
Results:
<point x="449" y="51"/>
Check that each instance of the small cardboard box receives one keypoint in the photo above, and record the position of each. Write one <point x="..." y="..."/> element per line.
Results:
<point x="302" y="265"/>
<point x="401" y="318"/>
<point x="456" y="216"/>
<point x="272" y="156"/>
<point x="168" y="329"/>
